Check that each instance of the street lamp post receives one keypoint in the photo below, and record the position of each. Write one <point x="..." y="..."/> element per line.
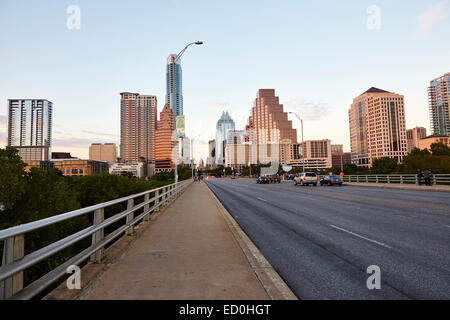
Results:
<point x="176" y="138"/>
<point x="303" y="143"/>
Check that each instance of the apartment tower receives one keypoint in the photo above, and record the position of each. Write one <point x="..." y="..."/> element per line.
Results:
<point x="377" y="127"/>
<point x="30" y="128"/>
<point x="438" y="100"/>
<point x="413" y="136"/>
<point x="137" y="129"/>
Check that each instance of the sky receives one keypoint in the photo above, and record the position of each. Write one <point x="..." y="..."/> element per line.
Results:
<point x="317" y="55"/>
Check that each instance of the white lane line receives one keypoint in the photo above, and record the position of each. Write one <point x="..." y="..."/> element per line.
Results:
<point x="362" y="237"/>
<point x="261" y="199"/>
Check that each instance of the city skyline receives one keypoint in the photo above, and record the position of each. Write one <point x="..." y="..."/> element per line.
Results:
<point x="303" y="82"/>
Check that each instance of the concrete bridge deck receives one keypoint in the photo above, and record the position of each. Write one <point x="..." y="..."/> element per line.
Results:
<point x="193" y="250"/>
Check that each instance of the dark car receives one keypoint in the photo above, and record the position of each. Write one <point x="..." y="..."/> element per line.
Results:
<point x="262" y="179"/>
<point x="331" y="180"/>
<point x="274" y="178"/>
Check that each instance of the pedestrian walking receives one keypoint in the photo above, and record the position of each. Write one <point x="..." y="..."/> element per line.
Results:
<point x="419" y="176"/>
<point x="427" y="176"/>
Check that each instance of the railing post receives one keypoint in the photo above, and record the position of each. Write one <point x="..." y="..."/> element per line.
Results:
<point x="157" y="200"/>
<point x="367" y="179"/>
<point x="434" y="179"/>
<point x="130" y="216"/>
<point x="99" y="217"/>
<point x="376" y="179"/>
<point x="147" y="207"/>
<point x="401" y="179"/>
<point x="13" y="250"/>
<point x="388" y="179"/>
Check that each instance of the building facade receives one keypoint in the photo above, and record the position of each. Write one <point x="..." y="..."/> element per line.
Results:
<point x="165" y="141"/>
<point x="174" y="91"/>
<point x="438" y="101"/>
<point x="137" y="128"/>
<point x="224" y="124"/>
<point x="30" y="128"/>
<point x="377" y="127"/>
<point x="211" y="159"/>
<point x="413" y="136"/>
<point x="268" y="123"/>
<point x="78" y="167"/>
<point x="103" y="152"/>
<point x="184" y="151"/>
<point x="426" y="142"/>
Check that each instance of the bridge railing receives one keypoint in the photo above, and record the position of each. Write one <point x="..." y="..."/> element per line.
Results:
<point x="397" y="178"/>
<point x="15" y="262"/>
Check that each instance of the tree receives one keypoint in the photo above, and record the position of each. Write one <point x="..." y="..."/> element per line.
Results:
<point x="384" y="165"/>
<point x="12" y="177"/>
<point x="440" y="149"/>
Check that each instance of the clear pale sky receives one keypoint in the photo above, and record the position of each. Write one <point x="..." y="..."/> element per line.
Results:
<point x="318" y="55"/>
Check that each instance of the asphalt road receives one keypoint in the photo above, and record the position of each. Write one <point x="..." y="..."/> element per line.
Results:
<point x="321" y="240"/>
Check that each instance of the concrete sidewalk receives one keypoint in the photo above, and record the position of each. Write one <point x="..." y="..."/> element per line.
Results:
<point x="188" y="252"/>
<point x="404" y="186"/>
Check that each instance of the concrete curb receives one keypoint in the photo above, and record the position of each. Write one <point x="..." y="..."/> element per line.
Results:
<point x="273" y="284"/>
<point x="387" y="186"/>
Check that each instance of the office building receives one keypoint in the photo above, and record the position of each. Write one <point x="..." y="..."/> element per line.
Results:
<point x="165" y="141"/>
<point x="30" y="128"/>
<point x="438" y="101"/>
<point x="103" y="152"/>
<point x="268" y="123"/>
<point x="426" y="142"/>
<point x="211" y="159"/>
<point x="413" y="136"/>
<point x="137" y="129"/>
<point x="79" y="167"/>
<point x="377" y="127"/>
<point x="224" y="124"/>
<point x="317" y="154"/>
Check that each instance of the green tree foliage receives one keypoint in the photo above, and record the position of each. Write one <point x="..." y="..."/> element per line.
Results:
<point x="440" y="149"/>
<point x="39" y="194"/>
<point x="12" y="177"/>
<point x="384" y="165"/>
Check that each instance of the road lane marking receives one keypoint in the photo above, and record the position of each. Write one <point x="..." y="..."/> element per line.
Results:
<point x="362" y="237"/>
<point x="352" y="196"/>
<point x="261" y="199"/>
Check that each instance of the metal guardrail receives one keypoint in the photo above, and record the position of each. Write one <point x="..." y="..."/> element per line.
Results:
<point x="14" y="261"/>
<point x="397" y="178"/>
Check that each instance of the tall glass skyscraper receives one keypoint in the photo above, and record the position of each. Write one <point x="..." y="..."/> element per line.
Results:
<point x="30" y="128"/>
<point x="438" y="98"/>
<point x="174" y="92"/>
<point x="224" y="125"/>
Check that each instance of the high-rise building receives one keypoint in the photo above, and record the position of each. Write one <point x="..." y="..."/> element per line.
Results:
<point x="211" y="160"/>
<point x="268" y="123"/>
<point x="103" y="152"/>
<point x="413" y="136"/>
<point x="174" y="92"/>
<point x="30" y="128"/>
<point x="165" y="141"/>
<point x="438" y="100"/>
<point x="377" y="127"/>
<point x="224" y="124"/>
<point x="137" y="128"/>
<point x="184" y="151"/>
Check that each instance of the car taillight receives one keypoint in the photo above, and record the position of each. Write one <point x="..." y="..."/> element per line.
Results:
<point x="304" y="178"/>
<point x="332" y="180"/>
<point x="317" y="178"/>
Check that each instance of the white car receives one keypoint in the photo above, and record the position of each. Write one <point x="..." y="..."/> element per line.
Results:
<point x="306" y="178"/>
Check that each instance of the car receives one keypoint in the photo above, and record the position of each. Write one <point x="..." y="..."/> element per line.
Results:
<point x="274" y="178"/>
<point x="306" y="178"/>
<point x="331" y="180"/>
<point x="233" y="177"/>
<point x="262" y="179"/>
